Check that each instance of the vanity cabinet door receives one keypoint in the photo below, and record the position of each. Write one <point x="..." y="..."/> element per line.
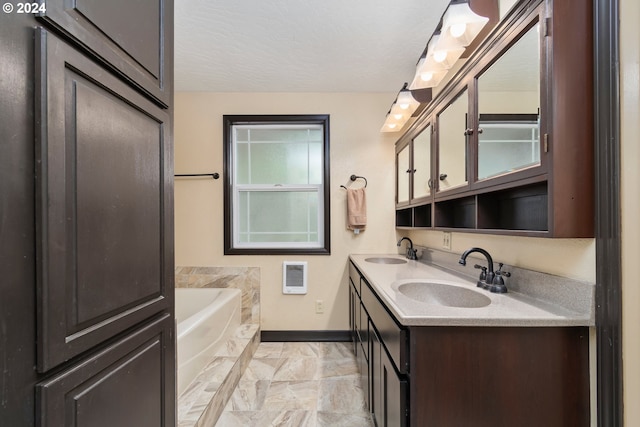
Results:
<point x="104" y="204"/>
<point x="133" y="37"/>
<point x="389" y="390"/>
<point x="122" y="385"/>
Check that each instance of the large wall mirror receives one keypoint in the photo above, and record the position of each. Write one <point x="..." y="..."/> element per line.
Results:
<point x="509" y="109"/>
<point x="452" y="143"/>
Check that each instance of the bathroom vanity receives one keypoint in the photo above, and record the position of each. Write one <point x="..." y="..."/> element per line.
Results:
<point x="449" y="358"/>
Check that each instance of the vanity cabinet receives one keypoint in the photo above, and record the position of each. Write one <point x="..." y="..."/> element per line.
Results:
<point x="461" y="376"/>
<point x="513" y="134"/>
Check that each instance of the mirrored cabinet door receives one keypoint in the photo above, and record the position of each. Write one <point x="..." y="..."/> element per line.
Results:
<point x="509" y="109"/>
<point x="422" y="164"/>
<point x="452" y="143"/>
<point x="403" y="173"/>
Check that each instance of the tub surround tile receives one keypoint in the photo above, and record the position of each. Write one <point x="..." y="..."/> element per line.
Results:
<point x="205" y="399"/>
<point x="262" y="369"/>
<point x="247" y="279"/>
<point x="248" y="395"/>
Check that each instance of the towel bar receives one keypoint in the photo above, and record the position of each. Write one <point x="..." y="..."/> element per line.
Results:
<point x="354" y="177"/>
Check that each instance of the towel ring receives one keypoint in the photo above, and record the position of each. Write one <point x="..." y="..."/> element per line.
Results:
<point x="354" y="177"/>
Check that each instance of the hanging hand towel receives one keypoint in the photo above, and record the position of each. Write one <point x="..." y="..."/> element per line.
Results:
<point x="356" y="209"/>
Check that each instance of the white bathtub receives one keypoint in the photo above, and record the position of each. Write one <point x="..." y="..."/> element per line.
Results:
<point x="206" y="318"/>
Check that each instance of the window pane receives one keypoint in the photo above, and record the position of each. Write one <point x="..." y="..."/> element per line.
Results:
<point x="279" y="156"/>
<point x="278" y="216"/>
<point x="279" y="163"/>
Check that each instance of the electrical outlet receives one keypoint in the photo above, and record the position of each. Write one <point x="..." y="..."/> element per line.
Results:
<point x="319" y="306"/>
<point x="446" y="240"/>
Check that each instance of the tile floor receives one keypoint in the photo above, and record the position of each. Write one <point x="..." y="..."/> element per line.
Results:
<point x="295" y="384"/>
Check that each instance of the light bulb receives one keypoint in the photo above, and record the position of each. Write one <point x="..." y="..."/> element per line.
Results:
<point x="397" y="116"/>
<point x="392" y="125"/>
<point x="439" y="55"/>
<point x="404" y="106"/>
<point x="426" y="76"/>
<point x="457" y="30"/>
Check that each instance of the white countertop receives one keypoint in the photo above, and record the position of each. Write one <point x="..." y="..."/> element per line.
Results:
<point x="510" y="309"/>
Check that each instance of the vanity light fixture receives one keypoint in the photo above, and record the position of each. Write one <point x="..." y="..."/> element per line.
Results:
<point x="401" y="110"/>
<point x="435" y="64"/>
<point x="460" y="26"/>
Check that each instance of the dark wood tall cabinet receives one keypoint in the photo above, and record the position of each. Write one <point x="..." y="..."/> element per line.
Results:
<point x="86" y="192"/>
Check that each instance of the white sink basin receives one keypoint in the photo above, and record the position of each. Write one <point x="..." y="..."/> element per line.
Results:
<point x="443" y="294"/>
<point x="386" y="260"/>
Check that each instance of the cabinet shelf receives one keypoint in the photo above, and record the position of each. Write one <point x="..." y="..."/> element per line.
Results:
<point x="414" y="217"/>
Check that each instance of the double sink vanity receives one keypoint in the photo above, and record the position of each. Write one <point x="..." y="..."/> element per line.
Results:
<point x="435" y="349"/>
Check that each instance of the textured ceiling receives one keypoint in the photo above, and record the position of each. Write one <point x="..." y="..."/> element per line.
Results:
<point x="300" y="45"/>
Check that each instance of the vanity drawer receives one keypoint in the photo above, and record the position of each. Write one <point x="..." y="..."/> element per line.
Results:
<point x="394" y="337"/>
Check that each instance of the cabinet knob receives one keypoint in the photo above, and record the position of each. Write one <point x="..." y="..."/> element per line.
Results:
<point x="468" y="132"/>
<point x="430" y="183"/>
<point x="480" y="130"/>
<point x="443" y="176"/>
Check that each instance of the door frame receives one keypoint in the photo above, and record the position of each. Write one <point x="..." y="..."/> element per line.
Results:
<point x="608" y="222"/>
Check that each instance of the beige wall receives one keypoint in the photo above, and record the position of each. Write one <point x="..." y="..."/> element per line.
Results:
<point x="357" y="147"/>
<point x="630" y="158"/>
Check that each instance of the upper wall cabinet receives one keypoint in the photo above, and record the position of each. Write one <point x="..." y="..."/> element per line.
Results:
<point x="513" y="143"/>
<point x="133" y="38"/>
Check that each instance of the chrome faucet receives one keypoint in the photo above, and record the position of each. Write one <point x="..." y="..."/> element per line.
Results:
<point x="488" y="279"/>
<point x="411" y="253"/>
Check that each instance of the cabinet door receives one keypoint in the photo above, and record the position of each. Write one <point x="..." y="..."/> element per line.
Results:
<point x="134" y="37"/>
<point x="122" y="385"/>
<point x="376" y="406"/>
<point x="394" y="394"/>
<point x="422" y="164"/>
<point x="104" y="204"/>
<point x="389" y="391"/>
<point x="403" y="175"/>
<point x="453" y="143"/>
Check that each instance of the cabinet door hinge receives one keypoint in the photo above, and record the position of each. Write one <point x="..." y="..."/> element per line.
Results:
<point x="546" y="142"/>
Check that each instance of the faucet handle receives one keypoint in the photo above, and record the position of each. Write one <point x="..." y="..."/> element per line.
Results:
<point x="482" y="280"/>
<point x="502" y="273"/>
